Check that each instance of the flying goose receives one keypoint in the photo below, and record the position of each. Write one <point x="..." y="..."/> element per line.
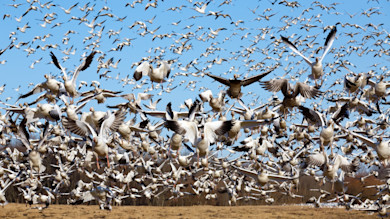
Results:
<point x="290" y="93"/>
<point x="201" y="140"/>
<point x="356" y="83"/>
<point x="112" y="121"/>
<point x="316" y="67"/>
<point x="70" y="84"/>
<point x="51" y="85"/>
<point x="355" y="104"/>
<point x="331" y="167"/>
<point x="313" y="116"/>
<point x="157" y="75"/>
<point x="264" y="176"/>
<point x="234" y="90"/>
<point x="99" y="94"/>
<point x="381" y="146"/>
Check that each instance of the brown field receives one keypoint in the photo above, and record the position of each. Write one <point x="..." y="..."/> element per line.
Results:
<point x="92" y="211"/>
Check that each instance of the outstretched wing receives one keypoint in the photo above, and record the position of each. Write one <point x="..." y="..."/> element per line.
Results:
<point x="276" y="85"/>
<point x="78" y="127"/>
<point x="86" y="63"/>
<point x="57" y="64"/>
<point x="312" y="115"/>
<point x="37" y="89"/>
<point x="329" y="41"/>
<point x="219" y="79"/>
<point x="294" y="49"/>
<point x="307" y="91"/>
<point x="250" y="80"/>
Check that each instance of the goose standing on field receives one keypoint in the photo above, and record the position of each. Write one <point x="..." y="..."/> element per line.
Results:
<point x="234" y="90"/>
<point x="316" y="67"/>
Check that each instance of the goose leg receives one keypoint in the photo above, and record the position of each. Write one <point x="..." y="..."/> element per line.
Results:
<point x="108" y="161"/>
<point x="97" y="162"/>
<point x="197" y="154"/>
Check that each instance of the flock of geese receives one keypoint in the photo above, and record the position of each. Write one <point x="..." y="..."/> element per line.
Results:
<point x="54" y="149"/>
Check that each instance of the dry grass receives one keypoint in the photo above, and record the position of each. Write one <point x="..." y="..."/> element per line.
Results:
<point x="92" y="211"/>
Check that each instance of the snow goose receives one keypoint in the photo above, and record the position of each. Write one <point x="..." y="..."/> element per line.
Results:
<point x="111" y="121"/>
<point x="313" y="116"/>
<point x="380" y="89"/>
<point x="356" y="83"/>
<point x="3" y="200"/>
<point x="143" y="69"/>
<point x="217" y="104"/>
<point x="237" y="125"/>
<point x="263" y="177"/>
<point x="327" y="135"/>
<point x="355" y="104"/>
<point x="70" y="84"/>
<point x="155" y="74"/>
<point x="206" y="95"/>
<point x="48" y="111"/>
<point x="331" y="167"/>
<point x="316" y="67"/>
<point x="72" y="110"/>
<point x="175" y="142"/>
<point x="168" y="114"/>
<point x="99" y="94"/>
<point x="93" y="117"/>
<point x="53" y="86"/>
<point x="381" y="147"/>
<point x="202" y="141"/>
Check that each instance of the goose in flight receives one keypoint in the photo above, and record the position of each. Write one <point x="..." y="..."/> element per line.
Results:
<point x="157" y="75"/>
<point x="263" y="177"/>
<point x="111" y="121"/>
<point x="234" y="90"/>
<point x="70" y="84"/>
<point x="290" y="92"/>
<point x="380" y="88"/>
<point x="312" y="116"/>
<point x="201" y="141"/>
<point x="190" y="130"/>
<point x="316" y="67"/>
<point x="381" y="146"/>
<point x="3" y="200"/>
<point x="331" y="167"/>
<point x="356" y="82"/>
<point x="51" y="85"/>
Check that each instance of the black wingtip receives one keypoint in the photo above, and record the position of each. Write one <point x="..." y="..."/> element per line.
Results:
<point x="88" y="61"/>
<point x="55" y="60"/>
<point x="169" y="110"/>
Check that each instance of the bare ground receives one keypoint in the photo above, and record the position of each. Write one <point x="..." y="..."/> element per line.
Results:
<point x="92" y="211"/>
